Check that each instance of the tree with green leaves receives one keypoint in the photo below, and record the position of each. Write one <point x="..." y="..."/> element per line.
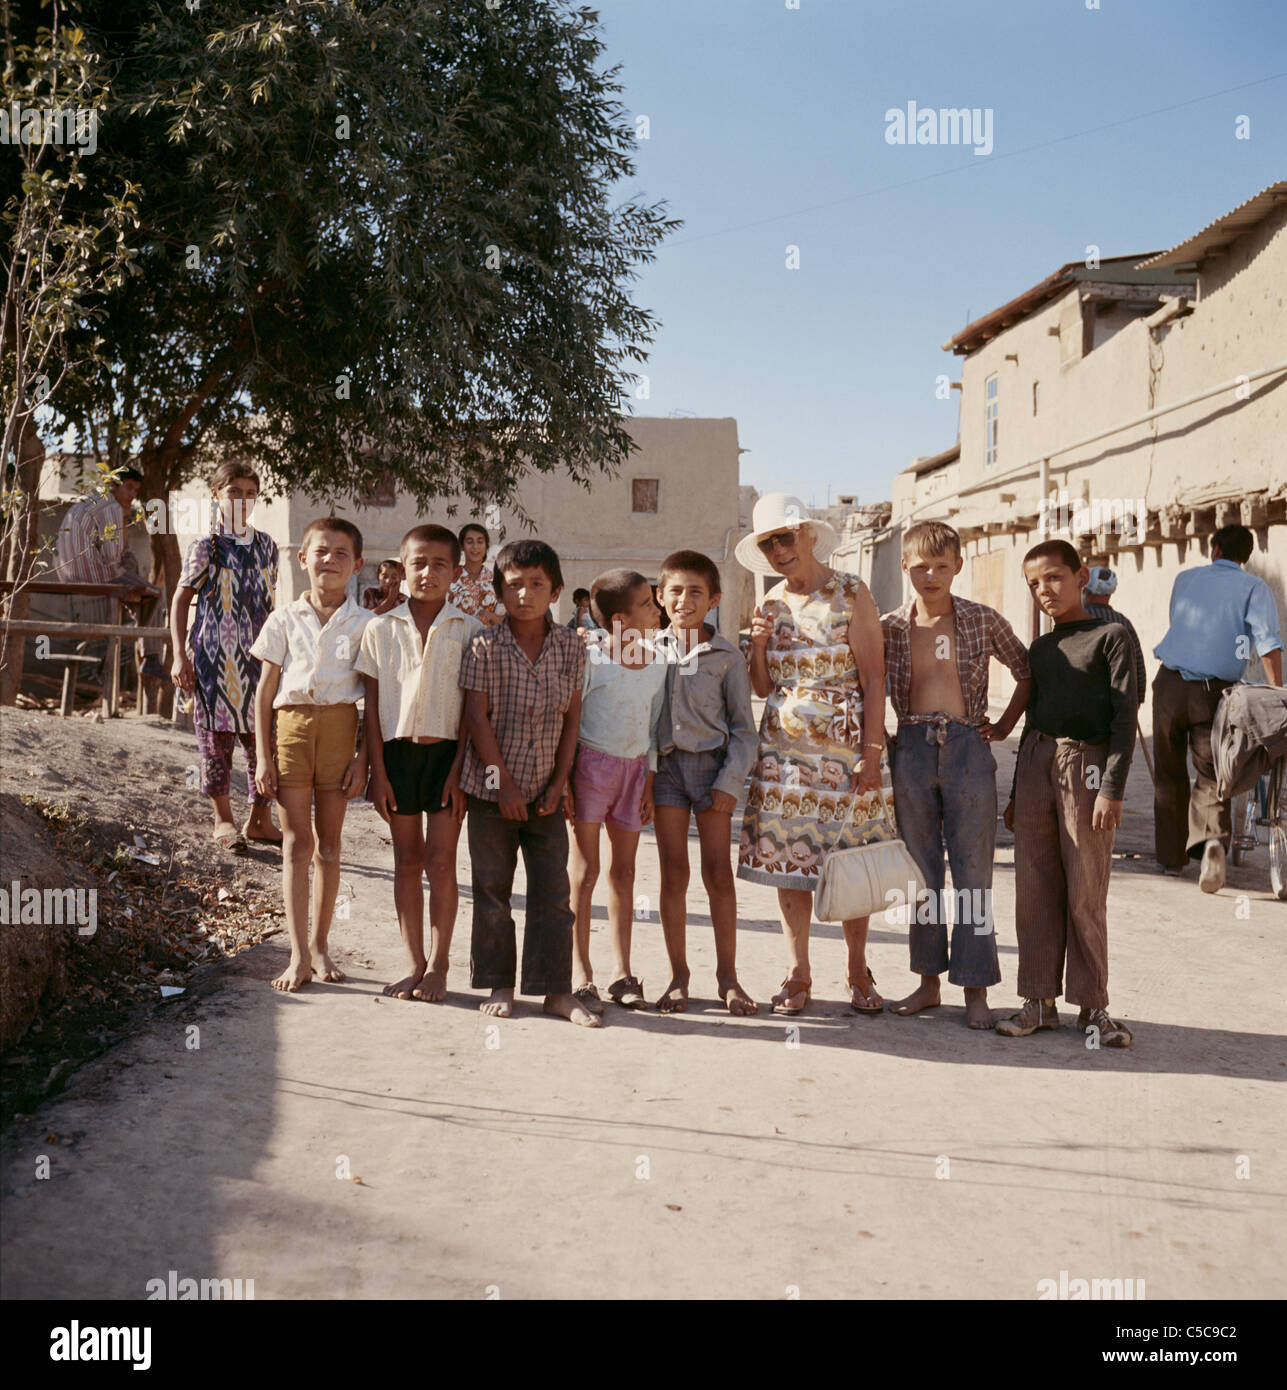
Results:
<point x="378" y="243"/>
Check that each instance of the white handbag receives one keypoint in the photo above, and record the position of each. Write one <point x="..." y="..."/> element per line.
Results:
<point x="868" y="878"/>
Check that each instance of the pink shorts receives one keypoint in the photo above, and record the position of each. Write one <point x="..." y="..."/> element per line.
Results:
<point x="609" y="789"/>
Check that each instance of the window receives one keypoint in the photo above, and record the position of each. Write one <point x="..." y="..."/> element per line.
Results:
<point x="1036" y="396"/>
<point x="644" y="493"/>
<point x="990" y="418"/>
<point x="383" y="494"/>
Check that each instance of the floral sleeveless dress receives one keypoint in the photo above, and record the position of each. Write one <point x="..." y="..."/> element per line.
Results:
<point x="799" y="805"/>
<point x="234" y="582"/>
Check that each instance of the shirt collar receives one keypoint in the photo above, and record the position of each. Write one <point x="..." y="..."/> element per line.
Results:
<point x="1233" y="564"/>
<point x="345" y="610"/>
<point x="904" y="614"/>
<point x="667" y="638"/>
<point x="445" y="614"/>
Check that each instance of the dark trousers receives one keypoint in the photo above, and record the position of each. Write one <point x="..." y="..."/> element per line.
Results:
<point x="1061" y="871"/>
<point x="494" y="846"/>
<point x="947" y="793"/>
<point x="1185" y="818"/>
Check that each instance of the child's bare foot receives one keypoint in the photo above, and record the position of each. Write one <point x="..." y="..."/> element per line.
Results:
<point x="500" y="1004"/>
<point x="977" y="1013"/>
<point x="326" y="969"/>
<point x="925" y="996"/>
<point x="736" y="1000"/>
<point x="405" y="987"/>
<point x="295" y="974"/>
<point x="570" y="1007"/>
<point x="675" y="999"/>
<point x="432" y="987"/>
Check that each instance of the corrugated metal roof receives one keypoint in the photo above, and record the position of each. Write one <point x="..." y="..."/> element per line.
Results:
<point x="1223" y="230"/>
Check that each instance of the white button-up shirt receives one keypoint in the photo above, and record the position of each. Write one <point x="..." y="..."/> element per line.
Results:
<point x="420" y="694"/>
<point x="319" y="664"/>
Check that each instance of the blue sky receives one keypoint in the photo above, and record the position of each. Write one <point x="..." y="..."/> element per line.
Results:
<point x="768" y="130"/>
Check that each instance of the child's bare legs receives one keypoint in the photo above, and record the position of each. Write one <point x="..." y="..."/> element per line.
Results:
<point x="444" y="898"/>
<point x="714" y="830"/>
<point x="621" y="896"/>
<point x="296" y="805"/>
<point x="585" y="874"/>
<point x="862" y="988"/>
<point x="329" y="816"/>
<point x="259" y="824"/>
<point x="408" y="898"/>
<point x="671" y="828"/>
<point x="796" y="908"/>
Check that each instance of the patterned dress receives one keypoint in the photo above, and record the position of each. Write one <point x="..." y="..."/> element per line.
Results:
<point x="799" y="804"/>
<point x="234" y="581"/>
<point x="477" y="597"/>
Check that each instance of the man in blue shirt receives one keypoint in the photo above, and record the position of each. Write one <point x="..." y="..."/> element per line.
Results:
<point x="1220" y="617"/>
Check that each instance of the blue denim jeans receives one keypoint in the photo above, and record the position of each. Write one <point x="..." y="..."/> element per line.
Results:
<point x="947" y="793"/>
<point x="494" y="847"/>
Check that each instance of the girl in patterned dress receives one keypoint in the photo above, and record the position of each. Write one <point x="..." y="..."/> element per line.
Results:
<point x="473" y="591"/>
<point x="231" y="574"/>
<point x="817" y="658"/>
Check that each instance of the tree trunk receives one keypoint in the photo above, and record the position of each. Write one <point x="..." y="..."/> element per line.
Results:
<point x="23" y="538"/>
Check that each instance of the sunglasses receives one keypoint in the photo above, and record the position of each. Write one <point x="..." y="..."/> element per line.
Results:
<point x="786" y="539"/>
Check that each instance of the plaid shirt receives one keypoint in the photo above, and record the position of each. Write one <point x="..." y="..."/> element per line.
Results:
<point x="85" y="554"/>
<point x="526" y="701"/>
<point x="981" y="632"/>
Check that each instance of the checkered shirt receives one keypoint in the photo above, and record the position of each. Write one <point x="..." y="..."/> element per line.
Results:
<point x="526" y="700"/>
<point x="981" y="633"/>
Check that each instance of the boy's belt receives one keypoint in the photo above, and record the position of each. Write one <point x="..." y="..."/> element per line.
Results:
<point x="936" y="732"/>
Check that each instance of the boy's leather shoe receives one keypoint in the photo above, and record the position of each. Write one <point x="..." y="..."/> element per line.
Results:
<point x="1035" y="1015"/>
<point x="1111" y="1032"/>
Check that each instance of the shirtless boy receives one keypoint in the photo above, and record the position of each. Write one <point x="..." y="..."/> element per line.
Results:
<point x="937" y="649"/>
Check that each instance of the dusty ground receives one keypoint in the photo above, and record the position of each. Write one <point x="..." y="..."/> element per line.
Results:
<point x="662" y="1157"/>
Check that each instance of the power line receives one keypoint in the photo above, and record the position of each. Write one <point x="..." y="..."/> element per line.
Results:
<point x="974" y="164"/>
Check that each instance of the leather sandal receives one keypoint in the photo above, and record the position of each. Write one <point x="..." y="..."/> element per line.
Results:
<point x="867" y="1008"/>
<point x="795" y="989"/>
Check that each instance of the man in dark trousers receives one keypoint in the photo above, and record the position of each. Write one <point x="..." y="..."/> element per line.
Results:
<point x="1220" y="617"/>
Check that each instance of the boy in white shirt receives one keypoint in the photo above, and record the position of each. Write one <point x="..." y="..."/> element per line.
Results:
<point x="410" y="660"/>
<point x="310" y="688"/>
<point x="611" y="784"/>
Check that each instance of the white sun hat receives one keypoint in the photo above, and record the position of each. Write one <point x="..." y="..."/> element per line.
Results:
<point x="779" y="511"/>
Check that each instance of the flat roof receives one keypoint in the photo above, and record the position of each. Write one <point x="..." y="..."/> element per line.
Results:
<point x="1114" y="269"/>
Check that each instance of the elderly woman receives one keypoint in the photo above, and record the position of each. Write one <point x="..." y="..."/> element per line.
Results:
<point x="817" y="657"/>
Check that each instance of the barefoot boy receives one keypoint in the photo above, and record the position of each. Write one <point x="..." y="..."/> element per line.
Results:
<point x="621" y="700"/>
<point x="522" y="680"/>
<point x="1066" y="803"/>
<point x="311" y="687"/>
<point x="707" y="742"/>
<point x="937" y="650"/>
<point x="411" y="659"/>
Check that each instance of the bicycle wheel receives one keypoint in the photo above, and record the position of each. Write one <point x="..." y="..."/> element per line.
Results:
<point x="1277" y="835"/>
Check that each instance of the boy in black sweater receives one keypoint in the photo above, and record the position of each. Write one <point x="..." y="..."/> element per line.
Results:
<point x="1066" y="802"/>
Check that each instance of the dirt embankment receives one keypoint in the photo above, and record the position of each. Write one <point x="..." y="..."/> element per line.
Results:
<point x="112" y="812"/>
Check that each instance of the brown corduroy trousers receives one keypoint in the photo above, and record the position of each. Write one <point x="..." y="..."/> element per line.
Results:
<point x="1061" y="872"/>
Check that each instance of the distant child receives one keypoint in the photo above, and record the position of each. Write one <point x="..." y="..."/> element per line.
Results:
<point x="621" y="699"/>
<point x="411" y="659"/>
<point x="310" y="686"/>
<point x="1066" y="803"/>
<point x="522" y="680"/>
<point x="386" y="597"/>
<point x="937" y="651"/>
<point x="707" y="742"/>
<point x="581" y="615"/>
<point x="473" y="592"/>
<point x="231" y="573"/>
